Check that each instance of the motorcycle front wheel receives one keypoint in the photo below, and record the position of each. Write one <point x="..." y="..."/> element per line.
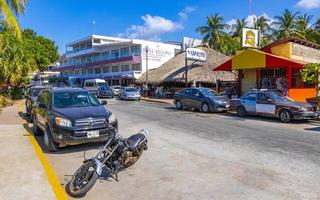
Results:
<point x="83" y="180"/>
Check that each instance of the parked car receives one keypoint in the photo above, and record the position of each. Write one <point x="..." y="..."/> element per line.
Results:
<point x="116" y="89"/>
<point x="274" y="104"/>
<point x="92" y="85"/>
<point x="129" y="93"/>
<point x="104" y="91"/>
<point x="31" y="95"/>
<point x="70" y="116"/>
<point x="204" y="99"/>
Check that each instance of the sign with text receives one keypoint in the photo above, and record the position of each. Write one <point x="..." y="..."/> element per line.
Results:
<point x="250" y="38"/>
<point x="196" y="55"/>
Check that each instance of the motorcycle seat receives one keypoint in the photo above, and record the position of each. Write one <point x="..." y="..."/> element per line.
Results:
<point x="134" y="141"/>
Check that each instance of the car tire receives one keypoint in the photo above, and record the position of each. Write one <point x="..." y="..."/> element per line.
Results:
<point x="205" y="108"/>
<point x="48" y="141"/>
<point x="179" y="105"/>
<point x="35" y="129"/>
<point x="241" y="111"/>
<point x="285" y="116"/>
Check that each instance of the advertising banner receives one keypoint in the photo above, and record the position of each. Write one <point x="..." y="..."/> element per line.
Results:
<point x="196" y="55"/>
<point x="250" y="38"/>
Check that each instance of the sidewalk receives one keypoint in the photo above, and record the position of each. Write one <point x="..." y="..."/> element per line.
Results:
<point x="22" y="175"/>
<point x="157" y="100"/>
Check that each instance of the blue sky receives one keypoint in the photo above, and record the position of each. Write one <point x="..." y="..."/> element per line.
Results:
<point x="165" y="20"/>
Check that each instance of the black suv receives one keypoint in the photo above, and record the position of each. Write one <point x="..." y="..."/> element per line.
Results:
<point x="70" y="116"/>
<point x="31" y="95"/>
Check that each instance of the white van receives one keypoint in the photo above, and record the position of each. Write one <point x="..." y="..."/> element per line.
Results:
<point x="92" y="85"/>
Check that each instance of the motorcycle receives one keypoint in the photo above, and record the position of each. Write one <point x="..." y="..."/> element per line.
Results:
<point x="116" y="155"/>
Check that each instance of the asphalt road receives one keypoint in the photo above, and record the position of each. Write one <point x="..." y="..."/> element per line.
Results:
<point x="207" y="156"/>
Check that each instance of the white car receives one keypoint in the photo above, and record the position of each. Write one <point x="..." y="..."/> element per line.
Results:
<point x="116" y="89"/>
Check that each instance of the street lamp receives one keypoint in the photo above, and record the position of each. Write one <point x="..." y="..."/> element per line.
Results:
<point x="147" y="77"/>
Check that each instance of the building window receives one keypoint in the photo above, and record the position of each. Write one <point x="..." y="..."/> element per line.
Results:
<point x="106" y="55"/>
<point x="97" y="70"/>
<point x="297" y="82"/>
<point x="136" y="50"/>
<point x="115" y="54"/>
<point x="76" y="73"/>
<point x="84" y="72"/>
<point x="97" y="41"/>
<point x="115" y="68"/>
<point x="125" y="68"/>
<point x="125" y="52"/>
<point x="106" y="70"/>
<point x="90" y="71"/>
<point x="136" y="67"/>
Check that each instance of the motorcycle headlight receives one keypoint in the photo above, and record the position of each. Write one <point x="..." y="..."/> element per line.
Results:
<point x="63" y="122"/>
<point x="112" y="118"/>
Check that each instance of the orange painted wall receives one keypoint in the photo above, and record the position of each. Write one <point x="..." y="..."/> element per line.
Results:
<point x="302" y="94"/>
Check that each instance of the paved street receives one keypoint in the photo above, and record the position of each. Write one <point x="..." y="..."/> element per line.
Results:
<point x="207" y="156"/>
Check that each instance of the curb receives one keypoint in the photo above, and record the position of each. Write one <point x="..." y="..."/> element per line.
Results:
<point x="155" y="101"/>
<point x="53" y="180"/>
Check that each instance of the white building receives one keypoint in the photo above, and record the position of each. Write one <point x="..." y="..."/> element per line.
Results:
<point x="117" y="60"/>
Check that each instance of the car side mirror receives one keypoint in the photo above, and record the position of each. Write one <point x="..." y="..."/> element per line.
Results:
<point x="104" y="102"/>
<point x="42" y="105"/>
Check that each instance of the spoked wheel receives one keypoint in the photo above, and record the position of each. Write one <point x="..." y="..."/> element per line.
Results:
<point x="130" y="158"/>
<point x="83" y="180"/>
<point x="285" y="116"/>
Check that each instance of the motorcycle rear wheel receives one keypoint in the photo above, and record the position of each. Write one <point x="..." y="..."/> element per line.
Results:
<point x="133" y="158"/>
<point x="83" y="180"/>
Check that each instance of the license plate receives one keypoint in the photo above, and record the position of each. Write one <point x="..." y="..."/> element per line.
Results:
<point x="92" y="134"/>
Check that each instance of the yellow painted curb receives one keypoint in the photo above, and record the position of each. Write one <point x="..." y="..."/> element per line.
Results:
<point x="52" y="177"/>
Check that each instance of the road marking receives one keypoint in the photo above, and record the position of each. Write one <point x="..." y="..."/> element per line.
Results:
<point x="52" y="177"/>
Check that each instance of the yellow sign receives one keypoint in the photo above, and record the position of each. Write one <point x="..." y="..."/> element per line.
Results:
<point x="250" y="38"/>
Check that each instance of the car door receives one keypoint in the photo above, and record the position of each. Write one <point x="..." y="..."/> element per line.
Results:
<point x="185" y="98"/>
<point x="249" y="102"/>
<point x="43" y="107"/>
<point x="265" y="104"/>
<point x="195" y="99"/>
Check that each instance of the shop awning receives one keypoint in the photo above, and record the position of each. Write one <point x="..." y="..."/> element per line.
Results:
<point x="252" y="59"/>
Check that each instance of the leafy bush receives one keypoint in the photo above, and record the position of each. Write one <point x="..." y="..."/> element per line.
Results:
<point x="16" y="93"/>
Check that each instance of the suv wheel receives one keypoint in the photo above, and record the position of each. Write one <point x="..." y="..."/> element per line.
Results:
<point x="48" y="141"/>
<point x="205" y="108"/>
<point x="35" y="129"/>
<point x="241" y="111"/>
<point x="285" y="116"/>
<point x="179" y="105"/>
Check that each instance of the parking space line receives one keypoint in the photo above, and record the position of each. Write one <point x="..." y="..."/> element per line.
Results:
<point x="52" y="177"/>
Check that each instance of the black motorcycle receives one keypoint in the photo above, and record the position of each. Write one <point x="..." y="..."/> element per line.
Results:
<point x="116" y="155"/>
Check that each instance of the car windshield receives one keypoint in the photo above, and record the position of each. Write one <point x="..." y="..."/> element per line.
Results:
<point x="209" y="93"/>
<point x="104" y="88"/>
<point x="279" y="97"/>
<point x="101" y="84"/>
<point x="74" y="99"/>
<point x="131" y="90"/>
<point x="36" y="91"/>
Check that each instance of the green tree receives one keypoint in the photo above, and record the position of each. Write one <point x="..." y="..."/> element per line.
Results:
<point x="213" y="31"/>
<point x="285" y="23"/>
<point x="264" y="25"/>
<point x="236" y="29"/>
<point x="9" y="9"/>
<point x="43" y="50"/>
<point x="303" y="28"/>
<point x="310" y="73"/>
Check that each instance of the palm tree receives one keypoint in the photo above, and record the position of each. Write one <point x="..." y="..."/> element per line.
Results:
<point x="236" y="29"/>
<point x="213" y="30"/>
<point x="263" y="24"/>
<point x="9" y="9"/>
<point x="285" y="22"/>
<point x="303" y="28"/>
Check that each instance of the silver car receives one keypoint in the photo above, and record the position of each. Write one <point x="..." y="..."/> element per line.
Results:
<point x="129" y="93"/>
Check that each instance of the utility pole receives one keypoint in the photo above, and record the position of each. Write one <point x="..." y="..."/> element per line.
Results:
<point x="250" y="7"/>
<point x="94" y="27"/>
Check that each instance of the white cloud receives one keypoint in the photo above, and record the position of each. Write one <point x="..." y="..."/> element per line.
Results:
<point x="250" y="19"/>
<point x="309" y="4"/>
<point x="184" y="13"/>
<point x="155" y="26"/>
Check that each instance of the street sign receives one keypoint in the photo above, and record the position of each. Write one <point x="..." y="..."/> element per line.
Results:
<point x="196" y="55"/>
<point x="250" y="38"/>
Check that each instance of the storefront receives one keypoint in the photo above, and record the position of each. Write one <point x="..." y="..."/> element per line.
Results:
<point x="261" y="70"/>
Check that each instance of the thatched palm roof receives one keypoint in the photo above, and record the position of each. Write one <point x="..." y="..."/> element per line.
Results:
<point x="174" y="69"/>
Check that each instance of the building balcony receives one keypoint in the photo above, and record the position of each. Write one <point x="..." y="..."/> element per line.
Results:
<point x="134" y="58"/>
